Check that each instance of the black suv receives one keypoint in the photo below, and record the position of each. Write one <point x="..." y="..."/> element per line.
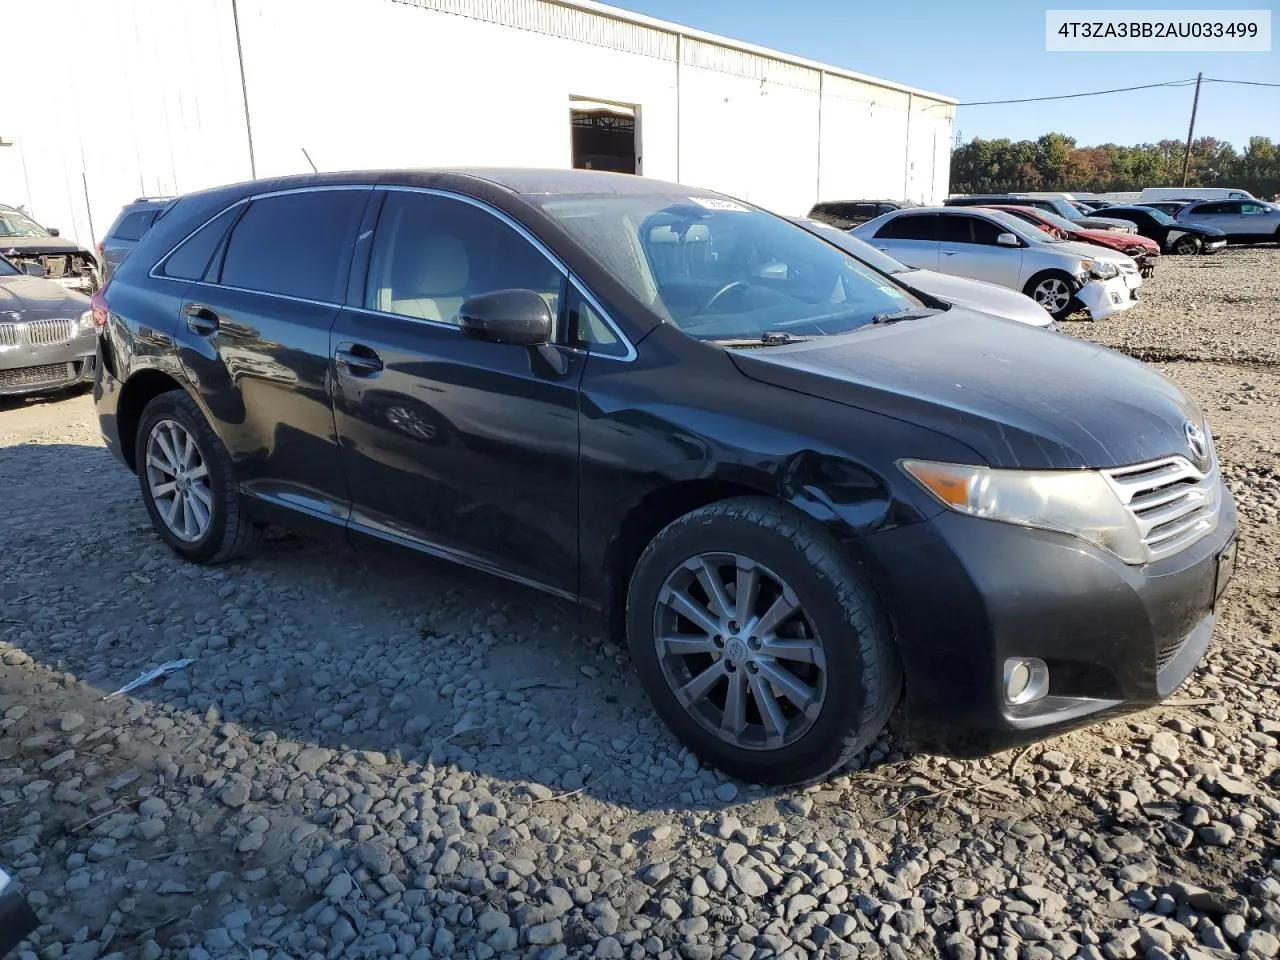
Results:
<point x="803" y="493"/>
<point x="846" y="214"/>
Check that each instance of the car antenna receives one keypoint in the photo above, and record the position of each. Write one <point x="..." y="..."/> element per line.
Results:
<point x="314" y="168"/>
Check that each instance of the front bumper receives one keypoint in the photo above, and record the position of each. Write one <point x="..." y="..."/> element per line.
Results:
<point x="1102" y="298"/>
<point x="1116" y="638"/>
<point x="27" y="367"/>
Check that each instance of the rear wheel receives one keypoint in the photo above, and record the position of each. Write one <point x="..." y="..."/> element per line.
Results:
<point x="1055" y="291"/>
<point x="1187" y="245"/>
<point x="758" y="642"/>
<point x="187" y="482"/>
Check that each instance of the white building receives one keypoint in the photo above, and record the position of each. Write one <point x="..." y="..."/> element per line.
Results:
<point x="156" y="97"/>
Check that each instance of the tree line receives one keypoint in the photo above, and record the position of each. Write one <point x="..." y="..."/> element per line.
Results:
<point x="1055" y="162"/>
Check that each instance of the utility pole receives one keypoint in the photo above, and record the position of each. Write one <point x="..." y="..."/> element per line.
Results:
<point x="1186" y="157"/>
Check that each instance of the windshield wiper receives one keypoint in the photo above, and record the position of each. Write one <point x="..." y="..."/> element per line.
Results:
<point x="899" y="315"/>
<point x="770" y="338"/>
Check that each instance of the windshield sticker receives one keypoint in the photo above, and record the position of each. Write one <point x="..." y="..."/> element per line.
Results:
<point x="718" y="203"/>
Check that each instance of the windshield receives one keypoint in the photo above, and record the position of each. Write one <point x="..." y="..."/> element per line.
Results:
<point x="15" y="224"/>
<point x="1062" y="223"/>
<point x="1015" y="224"/>
<point x="720" y="270"/>
<point x="864" y="251"/>
<point x="7" y="269"/>
<point x="1065" y="209"/>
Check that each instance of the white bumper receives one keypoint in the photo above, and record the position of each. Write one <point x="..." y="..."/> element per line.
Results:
<point x="1102" y="298"/>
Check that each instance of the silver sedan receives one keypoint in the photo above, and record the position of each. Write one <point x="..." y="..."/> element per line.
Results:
<point x="47" y="339"/>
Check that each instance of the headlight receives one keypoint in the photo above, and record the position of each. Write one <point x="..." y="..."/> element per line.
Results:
<point x="1103" y="269"/>
<point x="86" y="320"/>
<point x="1076" y="502"/>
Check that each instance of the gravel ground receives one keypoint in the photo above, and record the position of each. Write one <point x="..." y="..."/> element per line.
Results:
<point x="409" y="761"/>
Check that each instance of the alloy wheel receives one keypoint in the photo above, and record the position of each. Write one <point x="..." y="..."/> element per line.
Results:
<point x="1187" y="245"/>
<point x="1053" y="294"/>
<point x="739" y="651"/>
<point x="178" y="479"/>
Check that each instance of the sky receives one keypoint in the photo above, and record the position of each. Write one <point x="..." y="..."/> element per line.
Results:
<point x="995" y="50"/>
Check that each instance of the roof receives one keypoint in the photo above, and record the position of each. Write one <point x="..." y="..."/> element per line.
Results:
<point x="670" y="27"/>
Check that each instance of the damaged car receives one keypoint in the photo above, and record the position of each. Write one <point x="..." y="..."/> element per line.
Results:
<point x="63" y="261"/>
<point x="47" y="338"/>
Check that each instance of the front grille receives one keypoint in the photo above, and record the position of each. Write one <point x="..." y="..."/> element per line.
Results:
<point x="49" y="373"/>
<point x="48" y="333"/>
<point x="1173" y="503"/>
<point x="9" y="334"/>
<point x="1165" y="655"/>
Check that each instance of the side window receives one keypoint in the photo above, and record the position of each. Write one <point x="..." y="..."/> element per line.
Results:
<point x="588" y="329"/>
<point x="862" y="211"/>
<point x="430" y="253"/>
<point x="191" y="260"/>
<point x="1204" y="208"/>
<point x="955" y="229"/>
<point x="133" y="226"/>
<point x="911" y="227"/>
<point x="985" y="231"/>
<point x="295" y="244"/>
<point x="1252" y="208"/>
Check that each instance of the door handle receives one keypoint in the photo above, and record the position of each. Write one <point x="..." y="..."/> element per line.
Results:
<point x="360" y="360"/>
<point x="949" y="253"/>
<point x="201" y="319"/>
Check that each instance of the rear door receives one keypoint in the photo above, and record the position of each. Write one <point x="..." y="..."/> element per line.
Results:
<point x="1259" y="221"/>
<point x="911" y="238"/>
<point x="967" y="248"/>
<point x="254" y="339"/>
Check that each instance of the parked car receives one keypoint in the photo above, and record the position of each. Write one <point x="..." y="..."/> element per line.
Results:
<point x="64" y="262"/>
<point x="1192" y="193"/>
<point x="1174" y="236"/>
<point x="127" y="229"/>
<point x="17" y="920"/>
<point x="990" y="245"/>
<point x="1143" y="251"/>
<point x="1053" y="205"/>
<point x="849" y="213"/>
<point x="804" y="496"/>
<point x="1248" y="221"/>
<point x="47" y="340"/>
<point x="960" y="291"/>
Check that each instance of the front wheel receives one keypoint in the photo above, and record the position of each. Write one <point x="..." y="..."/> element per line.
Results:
<point x="1186" y="245"/>
<point x="187" y="482"/>
<point x="1053" y="290"/>
<point x="759" y="643"/>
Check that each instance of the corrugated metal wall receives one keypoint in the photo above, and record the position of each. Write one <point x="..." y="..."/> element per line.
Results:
<point x="378" y="83"/>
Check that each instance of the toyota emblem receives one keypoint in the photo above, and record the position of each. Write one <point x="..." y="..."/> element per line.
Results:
<point x="1196" y="440"/>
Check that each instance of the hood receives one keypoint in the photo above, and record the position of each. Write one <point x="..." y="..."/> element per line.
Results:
<point x="1117" y="240"/>
<point x="1199" y="229"/>
<point x="1107" y="223"/>
<point x="35" y="299"/>
<point x="1091" y="251"/>
<point x="32" y="245"/>
<point x="978" y="295"/>
<point x="1015" y="395"/>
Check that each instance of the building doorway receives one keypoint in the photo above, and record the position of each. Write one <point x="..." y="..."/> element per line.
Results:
<point x="604" y="136"/>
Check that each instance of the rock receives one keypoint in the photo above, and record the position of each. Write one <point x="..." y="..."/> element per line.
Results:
<point x="655" y="873"/>
<point x="70" y="721"/>
<point x="748" y="881"/>
<point x="1260" y="942"/>
<point x="727" y="792"/>
<point x="338" y="887"/>
<point x="1165" y="745"/>
<point x="311" y="759"/>
<point x="1055" y="760"/>
<point x="1216" y="835"/>
<point x="544" y="934"/>
<point x="153" y="807"/>
<point x="148" y="829"/>
<point x="374" y="858"/>
<point x="235" y="794"/>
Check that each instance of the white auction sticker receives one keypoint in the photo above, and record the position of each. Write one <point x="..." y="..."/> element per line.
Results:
<point x="719" y="203"/>
<point x="1166" y="31"/>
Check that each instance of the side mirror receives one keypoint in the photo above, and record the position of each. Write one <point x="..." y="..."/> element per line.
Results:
<point x="54" y="231"/>
<point x="517" y="317"/>
<point x="1008" y="240"/>
<point x="32" y="269"/>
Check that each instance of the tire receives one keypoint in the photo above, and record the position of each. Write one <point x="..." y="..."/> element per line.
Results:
<point x="207" y="477"/>
<point x="1186" y="245"/>
<point x="853" y="670"/>
<point x="1049" y="288"/>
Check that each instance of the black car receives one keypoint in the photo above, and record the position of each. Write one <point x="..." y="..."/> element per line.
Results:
<point x="63" y="261"/>
<point x="47" y="339"/>
<point x="803" y="494"/>
<point x="1174" y="236"/>
<point x="849" y="213"/>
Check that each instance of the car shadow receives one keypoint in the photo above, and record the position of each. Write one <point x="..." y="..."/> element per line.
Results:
<point x="387" y="657"/>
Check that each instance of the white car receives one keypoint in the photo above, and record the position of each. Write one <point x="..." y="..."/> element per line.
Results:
<point x="973" y="294"/>
<point x="994" y="246"/>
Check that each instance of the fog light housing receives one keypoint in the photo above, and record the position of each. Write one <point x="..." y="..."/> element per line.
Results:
<point x="1026" y="679"/>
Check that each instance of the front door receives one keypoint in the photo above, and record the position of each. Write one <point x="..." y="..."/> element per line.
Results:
<point x="461" y="448"/>
<point x="967" y="248"/>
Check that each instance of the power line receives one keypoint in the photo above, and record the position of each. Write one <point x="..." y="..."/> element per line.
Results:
<point x="1250" y="83"/>
<point x="1093" y="93"/>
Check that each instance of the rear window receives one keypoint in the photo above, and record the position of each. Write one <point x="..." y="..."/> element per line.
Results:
<point x="134" y="225"/>
<point x="191" y="260"/>
<point x="295" y="244"/>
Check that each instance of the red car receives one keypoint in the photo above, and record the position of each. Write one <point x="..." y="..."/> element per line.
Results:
<point x="1143" y="250"/>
